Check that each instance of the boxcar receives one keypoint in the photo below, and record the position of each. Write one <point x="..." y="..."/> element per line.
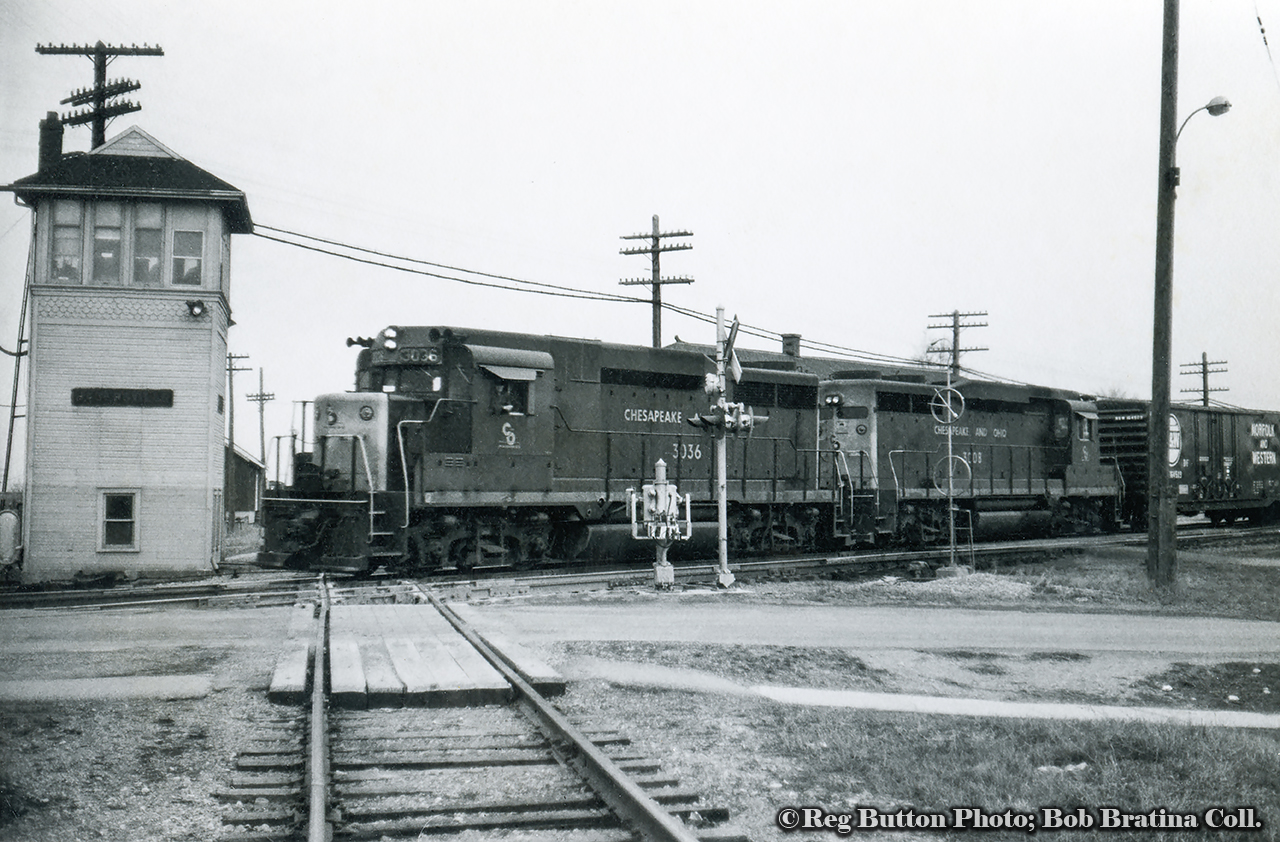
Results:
<point x="1222" y="462"/>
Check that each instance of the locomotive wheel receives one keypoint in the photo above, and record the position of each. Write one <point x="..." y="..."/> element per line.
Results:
<point x="462" y="554"/>
<point x="569" y="539"/>
<point x="516" y="557"/>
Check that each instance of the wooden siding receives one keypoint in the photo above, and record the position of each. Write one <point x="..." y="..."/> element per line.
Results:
<point x="173" y="456"/>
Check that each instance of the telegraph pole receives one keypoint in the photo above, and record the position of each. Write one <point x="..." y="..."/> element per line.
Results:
<point x="261" y="400"/>
<point x="100" y="109"/>
<point x="232" y="368"/>
<point x="18" y="353"/>
<point x="1204" y="372"/>
<point x="654" y="249"/>
<point x="955" y="325"/>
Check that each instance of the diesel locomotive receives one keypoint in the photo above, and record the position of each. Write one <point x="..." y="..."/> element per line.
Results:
<point x="461" y="449"/>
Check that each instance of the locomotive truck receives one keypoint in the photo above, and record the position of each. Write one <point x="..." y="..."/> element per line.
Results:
<point x="461" y="449"/>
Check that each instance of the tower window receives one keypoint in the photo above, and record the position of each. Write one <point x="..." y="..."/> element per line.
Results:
<point x="188" y="255"/>
<point x="106" y="243"/>
<point x="67" y="242"/>
<point x="148" y="243"/>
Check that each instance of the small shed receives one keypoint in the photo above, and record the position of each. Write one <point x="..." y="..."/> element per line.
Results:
<point x="243" y="485"/>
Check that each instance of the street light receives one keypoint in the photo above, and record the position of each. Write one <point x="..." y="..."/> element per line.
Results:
<point x="1162" y="505"/>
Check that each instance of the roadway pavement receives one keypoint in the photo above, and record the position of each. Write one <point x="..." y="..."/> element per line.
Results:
<point x="157" y="653"/>
<point x="732" y="621"/>
<point x="923" y="658"/>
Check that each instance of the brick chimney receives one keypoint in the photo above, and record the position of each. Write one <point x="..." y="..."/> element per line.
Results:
<point x="791" y="344"/>
<point x="50" y="141"/>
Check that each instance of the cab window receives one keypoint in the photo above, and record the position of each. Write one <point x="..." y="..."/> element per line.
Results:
<point x="510" y="397"/>
<point x="1087" y="427"/>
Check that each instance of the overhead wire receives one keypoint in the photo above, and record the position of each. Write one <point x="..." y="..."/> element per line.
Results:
<point x="562" y="292"/>
<point x="331" y="247"/>
<point x="421" y="262"/>
<point x="558" y="290"/>
<point x="1262" y="30"/>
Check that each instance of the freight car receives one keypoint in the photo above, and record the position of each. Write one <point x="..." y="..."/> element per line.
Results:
<point x="468" y="448"/>
<point x="1222" y="461"/>
<point x="901" y="450"/>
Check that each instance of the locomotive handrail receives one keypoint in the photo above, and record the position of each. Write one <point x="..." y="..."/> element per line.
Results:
<point x="866" y="457"/>
<point x="368" y="470"/>
<point x="313" y="500"/>
<point x="970" y="447"/>
<point x="404" y="465"/>
<point x="848" y="472"/>
<point x="439" y="401"/>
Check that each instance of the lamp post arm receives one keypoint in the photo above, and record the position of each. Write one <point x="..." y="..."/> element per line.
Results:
<point x="1184" y="124"/>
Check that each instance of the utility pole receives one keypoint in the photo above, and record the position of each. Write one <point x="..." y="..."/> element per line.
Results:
<point x="261" y="400"/>
<point x="1162" y="506"/>
<point x="100" y="110"/>
<point x="654" y="249"/>
<point x="232" y="368"/>
<point x="18" y="353"/>
<point x="1204" y="372"/>
<point x="954" y="325"/>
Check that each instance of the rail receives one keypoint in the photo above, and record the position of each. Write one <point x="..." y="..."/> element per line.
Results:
<point x="318" y="827"/>
<point x="623" y="795"/>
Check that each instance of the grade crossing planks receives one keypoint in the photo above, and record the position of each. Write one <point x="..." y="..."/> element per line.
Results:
<point x="293" y="669"/>
<point x="394" y="655"/>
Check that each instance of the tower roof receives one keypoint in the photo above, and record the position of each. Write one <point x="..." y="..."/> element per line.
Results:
<point x="134" y="165"/>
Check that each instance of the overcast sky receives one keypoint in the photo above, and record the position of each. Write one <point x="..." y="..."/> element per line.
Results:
<point x="846" y="168"/>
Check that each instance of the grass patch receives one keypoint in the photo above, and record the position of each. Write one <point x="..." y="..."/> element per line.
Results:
<point x="1057" y="657"/>
<point x="242" y="538"/>
<point x="1209" y="584"/>
<point x="824" y="667"/>
<point x="932" y="764"/>
<point x="1226" y="686"/>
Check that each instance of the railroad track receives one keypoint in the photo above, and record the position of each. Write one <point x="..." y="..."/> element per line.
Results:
<point x="414" y="772"/>
<point x="283" y="588"/>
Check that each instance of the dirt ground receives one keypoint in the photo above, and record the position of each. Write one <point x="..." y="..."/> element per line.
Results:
<point x="144" y="769"/>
